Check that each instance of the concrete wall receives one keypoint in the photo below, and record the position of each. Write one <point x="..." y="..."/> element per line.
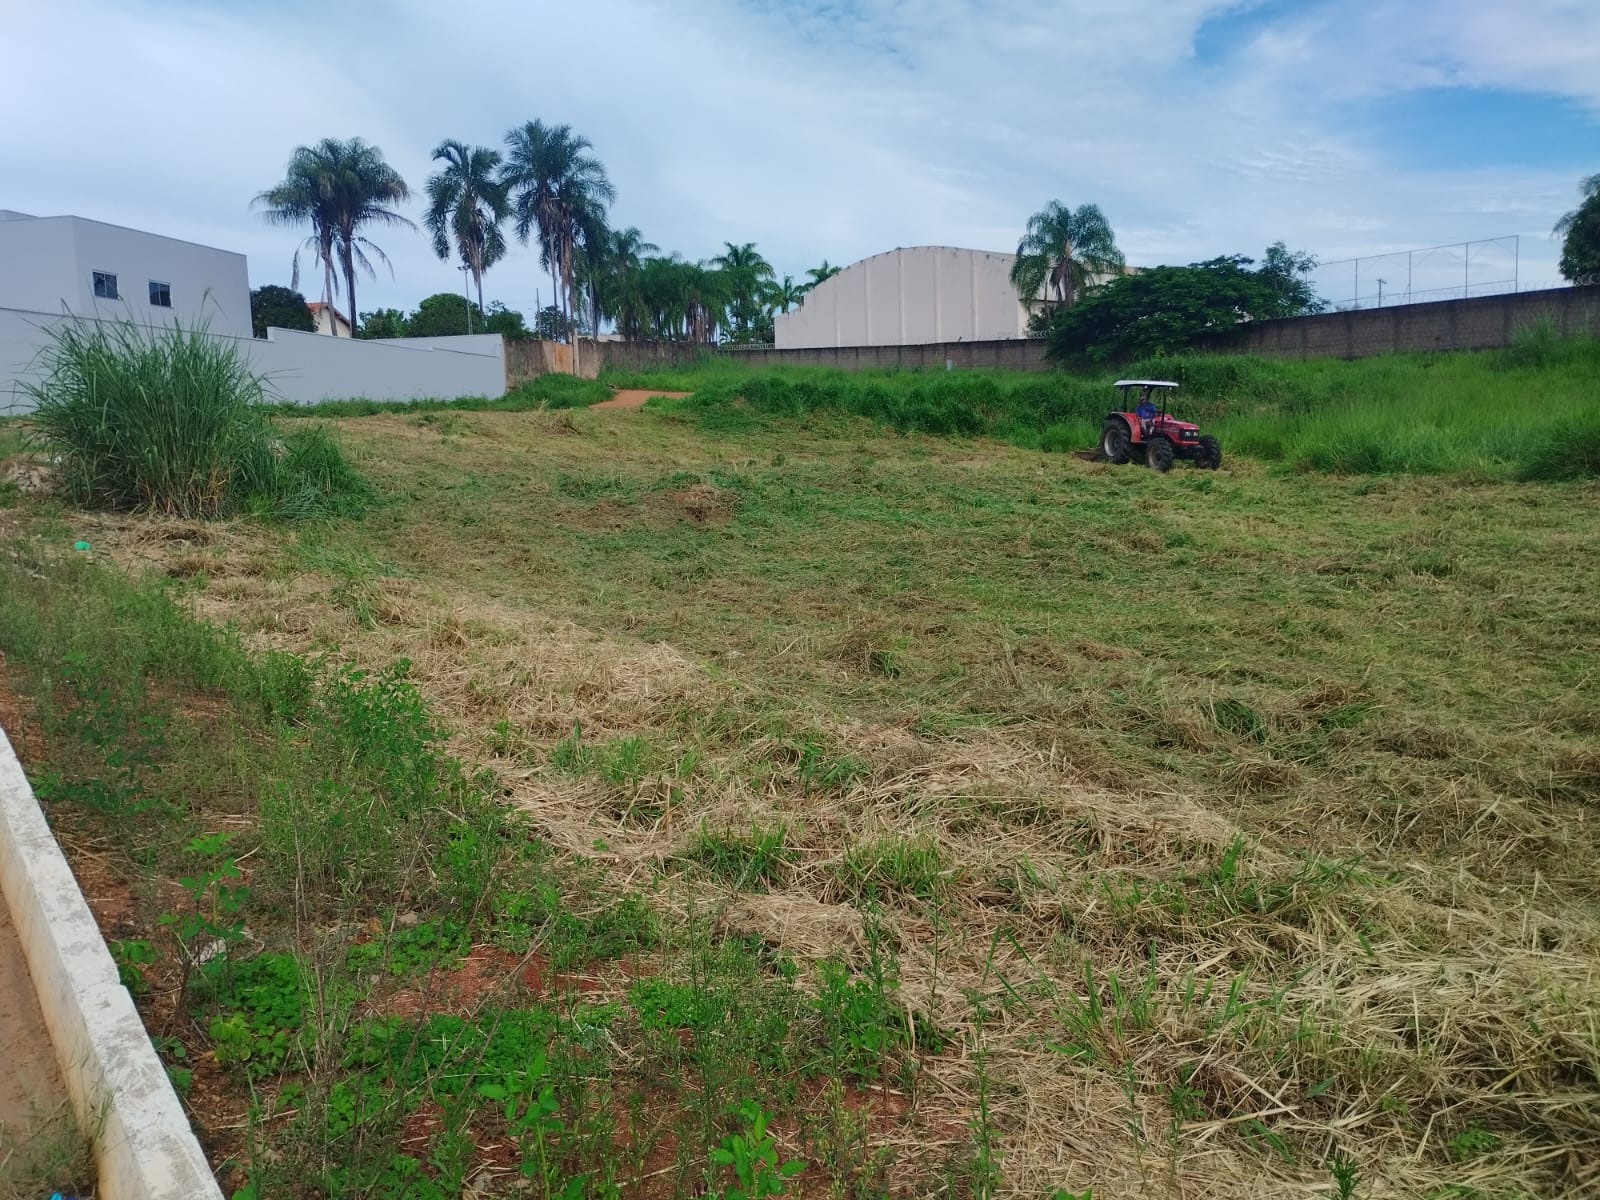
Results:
<point x="1479" y="323"/>
<point x="1006" y="354"/>
<point x="47" y="264"/>
<point x="144" y="1148"/>
<point x="912" y="296"/>
<point x="302" y="368"/>
<point x="527" y="358"/>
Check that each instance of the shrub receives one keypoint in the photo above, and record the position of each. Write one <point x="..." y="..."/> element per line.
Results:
<point x="171" y="421"/>
<point x="279" y="307"/>
<point x="1568" y="449"/>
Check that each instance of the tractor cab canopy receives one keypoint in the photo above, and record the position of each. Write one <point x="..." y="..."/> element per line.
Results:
<point x="1148" y="389"/>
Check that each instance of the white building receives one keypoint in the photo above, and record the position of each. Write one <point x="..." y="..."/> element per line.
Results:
<point x="328" y="319"/>
<point x="91" y="269"/>
<point x="909" y="297"/>
<point x="61" y="269"/>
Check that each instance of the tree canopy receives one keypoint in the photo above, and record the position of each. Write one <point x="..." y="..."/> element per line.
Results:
<point x="281" y="308"/>
<point x="1167" y="309"/>
<point x="1579" y="231"/>
<point x="443" y="314"/>
<point x="384" y="323"/>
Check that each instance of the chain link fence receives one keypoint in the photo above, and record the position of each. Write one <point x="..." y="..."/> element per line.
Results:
<point x="1456" y="271"/>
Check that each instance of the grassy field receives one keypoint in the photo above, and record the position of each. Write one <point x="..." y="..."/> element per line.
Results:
<point x="781" y="804"/>
<point x="1524" y="412"/>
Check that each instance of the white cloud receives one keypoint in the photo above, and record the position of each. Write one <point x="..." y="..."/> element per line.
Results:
<point x="833" y="130"/>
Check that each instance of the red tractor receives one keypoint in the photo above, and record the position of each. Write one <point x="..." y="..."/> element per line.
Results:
<point x="1150" y="431"/>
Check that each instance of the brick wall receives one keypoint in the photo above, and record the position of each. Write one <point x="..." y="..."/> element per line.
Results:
<point x="1480" y="323"/>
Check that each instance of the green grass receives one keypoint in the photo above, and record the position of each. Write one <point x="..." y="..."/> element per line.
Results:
<point x="1525" y="412"/>
<point x="541" y="392"/>
<point x="172" y="421"/>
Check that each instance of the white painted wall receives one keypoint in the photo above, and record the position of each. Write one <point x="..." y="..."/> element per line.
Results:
<point x="47" y="264"/>
<point x="304" y="368"/>
<point x="909" y="297"/>
<point x="38" y="264"/>
<point x="301" y="368"/>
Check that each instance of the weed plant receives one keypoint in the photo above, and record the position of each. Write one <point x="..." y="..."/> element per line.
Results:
<point x="172" y="421"/>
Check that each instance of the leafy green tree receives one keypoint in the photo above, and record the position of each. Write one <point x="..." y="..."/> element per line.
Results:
<point x="747" y="275"/>
<point x="467" y="205"/>
<point x="443" y="314"/>
<point x="338" y="188"/>
<point x="1166" y="309"/>
<point x="1064" y="250"/>
<point x="384" y="323"/>
<point x="551" y="324"/>
<point x="507" y="322"/>
<point x="1579" y="231"/>
<point x="281" y="308"/>
<point x="1285" y="272"/>
<point x="557" y="188"/>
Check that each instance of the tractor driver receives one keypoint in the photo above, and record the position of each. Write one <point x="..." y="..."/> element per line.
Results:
<point x="1146" y="412"/>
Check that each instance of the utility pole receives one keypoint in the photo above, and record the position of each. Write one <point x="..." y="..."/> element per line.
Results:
<point x="466" y="294"/>
<point x="1381" y="282"/>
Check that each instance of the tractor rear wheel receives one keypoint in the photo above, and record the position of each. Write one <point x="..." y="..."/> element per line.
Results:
<point x="1114" y="440"/>
<point x="1209" y="455"/>
<point x="1158" y="453"/>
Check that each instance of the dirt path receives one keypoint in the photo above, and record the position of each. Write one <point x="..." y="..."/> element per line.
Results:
<point x="635" y="398"/>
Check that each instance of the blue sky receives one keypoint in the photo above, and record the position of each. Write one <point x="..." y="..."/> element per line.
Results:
<point x="840" y="128"/>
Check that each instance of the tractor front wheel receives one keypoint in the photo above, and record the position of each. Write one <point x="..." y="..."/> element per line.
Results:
<point x="1114" y="440"/>
<point x="1158" y="453"/>
<point x="1209" y="455"/>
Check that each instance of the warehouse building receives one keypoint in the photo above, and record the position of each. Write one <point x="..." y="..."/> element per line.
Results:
<point x="909" y="297"/>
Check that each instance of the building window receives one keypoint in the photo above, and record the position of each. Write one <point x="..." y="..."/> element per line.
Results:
<point x="105" y="285"/>
<point x="160" y="294"/>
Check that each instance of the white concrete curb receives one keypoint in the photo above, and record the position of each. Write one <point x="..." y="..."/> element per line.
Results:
<point x="144" y="1147"/>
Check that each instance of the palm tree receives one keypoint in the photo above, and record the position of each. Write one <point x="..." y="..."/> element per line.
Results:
<point x="746" y="272"/>
<point x="557" y="187"/>
<point x="298" y="200"/>
<point x="367" y="187"/>
<point x="620" y="296"/>
<point x="786" y="295"/>
<point x="338" y="187"/>
<point x="1064" y="249"/>
<point x="826" y="271"/>
<point x="466" y="201"/>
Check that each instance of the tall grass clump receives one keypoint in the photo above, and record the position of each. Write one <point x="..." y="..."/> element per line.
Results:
<point x="172" y="421"/>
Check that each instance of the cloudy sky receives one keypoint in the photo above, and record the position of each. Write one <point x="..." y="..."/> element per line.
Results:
<point x="841" y="128"/>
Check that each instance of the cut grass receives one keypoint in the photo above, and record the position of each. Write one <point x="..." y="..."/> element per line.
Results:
<point x="1155" y="835"/>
